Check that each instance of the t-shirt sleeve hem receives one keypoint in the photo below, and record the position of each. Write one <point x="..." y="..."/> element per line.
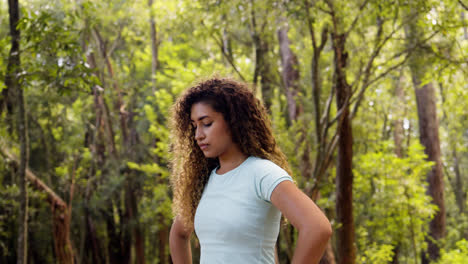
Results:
<point x="275" y="183"/>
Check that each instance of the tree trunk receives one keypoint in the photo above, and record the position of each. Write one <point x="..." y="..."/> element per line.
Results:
<point x="132" y="213"/>
<point x="12" y="83"/>
<point x="324" y="149"/>
<point x="154" y="46"/>
<point x="428" y="136"/>
<point x="290" y="70"/>
<point x="262" y="67"/>
<point x="92" y="238"/>
<point x="119" y="246"/>
<point x="163" y="237"/>
<point x="398" y="130"/>
<point x="398" y="136"/>
<point x="344" y="175"/>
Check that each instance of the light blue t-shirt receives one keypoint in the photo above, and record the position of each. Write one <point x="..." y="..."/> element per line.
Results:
<point x="235" y="221"/>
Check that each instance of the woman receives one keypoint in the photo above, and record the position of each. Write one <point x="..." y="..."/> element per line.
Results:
<point x="231" y="182"/>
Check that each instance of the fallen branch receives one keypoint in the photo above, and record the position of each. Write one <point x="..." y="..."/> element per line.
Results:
<point x="38" y="183"/>
<point x="61" y="212"/>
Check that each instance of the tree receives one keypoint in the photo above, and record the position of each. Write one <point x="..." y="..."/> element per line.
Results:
<point x="344" y="176"/>
<point x="290" y="71"/>
<point x="12" y="82"/>
<point x="428" y="132"/>
<point x="154" y="45"/>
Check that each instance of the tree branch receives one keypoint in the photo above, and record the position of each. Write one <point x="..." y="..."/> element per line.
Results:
<point x="463" y="5"/>
<point x="53" y="198"/>
<point x="229" y="58"/>
<point x="366" y="85"/>
<point x="353" y="24"/>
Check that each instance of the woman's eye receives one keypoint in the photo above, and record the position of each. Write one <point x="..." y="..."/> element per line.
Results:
<point x="207" y="125"/>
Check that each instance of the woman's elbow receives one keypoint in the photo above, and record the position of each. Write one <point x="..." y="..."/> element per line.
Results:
<point x="319" y="232"/>
<point x="178" y="231"/>
<point x="325" y="228"/>
<point x="327" y="231"/>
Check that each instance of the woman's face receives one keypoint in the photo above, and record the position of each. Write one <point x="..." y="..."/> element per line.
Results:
<point x="212" y="133"/>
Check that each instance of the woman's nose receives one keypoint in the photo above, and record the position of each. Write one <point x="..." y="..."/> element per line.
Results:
<point x="199" y="135"/>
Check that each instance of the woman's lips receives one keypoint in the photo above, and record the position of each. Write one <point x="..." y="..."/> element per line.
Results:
<point x="203" y="146"/>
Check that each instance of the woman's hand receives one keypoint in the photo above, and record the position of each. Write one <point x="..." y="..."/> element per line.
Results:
<point x="313" y="226"/>
<point x="179" y="243"/>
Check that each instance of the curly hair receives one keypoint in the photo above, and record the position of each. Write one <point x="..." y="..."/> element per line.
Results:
<point x="250" y="128"/>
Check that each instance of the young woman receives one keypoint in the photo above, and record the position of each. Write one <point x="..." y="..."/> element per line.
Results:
<point x="231" y="182"/>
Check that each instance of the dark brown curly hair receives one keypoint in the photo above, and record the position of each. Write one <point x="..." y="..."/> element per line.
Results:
<point x="250" y="128"/>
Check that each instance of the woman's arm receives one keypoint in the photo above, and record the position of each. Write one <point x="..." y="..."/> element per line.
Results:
<point x="313" y="226"/>
<point x="179" y="243"/>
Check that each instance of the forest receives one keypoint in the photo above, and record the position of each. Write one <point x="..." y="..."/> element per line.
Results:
<point x="368" y="100"/>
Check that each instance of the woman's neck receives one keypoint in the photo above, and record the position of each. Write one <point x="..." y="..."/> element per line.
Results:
<point x="229" y="161"/>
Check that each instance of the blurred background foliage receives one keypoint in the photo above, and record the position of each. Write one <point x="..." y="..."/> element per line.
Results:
<point x="99" y="78"/>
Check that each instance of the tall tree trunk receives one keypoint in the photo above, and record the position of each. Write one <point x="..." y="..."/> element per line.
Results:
<point x="398" y="136"/>
<point x="119" y="246"/>
<point x="325" y="149"/>
<point x="344" y="176"/>
<point x="398" y="129"/>
<point x="163" y="237"/>
<point x="290" y="69"/>
<point x="94" y="244"/>
<point x="132" y="212"/>
<point x="12" y="83"/>
<point x="154" y="46"/>
<point x="262" y="67"/>
<point x="428" y="136"/>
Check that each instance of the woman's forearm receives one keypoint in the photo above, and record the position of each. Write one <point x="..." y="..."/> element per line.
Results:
<point x="181" y="253"/>
<point x="311" y="245"/>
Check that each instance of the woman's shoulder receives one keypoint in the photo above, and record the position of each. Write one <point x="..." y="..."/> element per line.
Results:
<point x="265" y="165"/>
<point x="267" y="175"/>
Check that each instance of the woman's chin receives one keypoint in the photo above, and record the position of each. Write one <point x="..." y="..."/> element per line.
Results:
<point x="208" y="154"/>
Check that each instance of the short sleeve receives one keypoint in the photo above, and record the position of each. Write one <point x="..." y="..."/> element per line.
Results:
<point x="267" y="178"/>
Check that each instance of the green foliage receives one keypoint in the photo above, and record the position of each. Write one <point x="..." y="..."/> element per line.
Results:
<point x="458" y="255"/>
<point x="377" y="254"/>
<point x="391" y="203"/>
<point x="157" y="203"/>
<point x="292" y="147"/>
<point x="51" y="51"/>
<point x="8" y="207"/>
